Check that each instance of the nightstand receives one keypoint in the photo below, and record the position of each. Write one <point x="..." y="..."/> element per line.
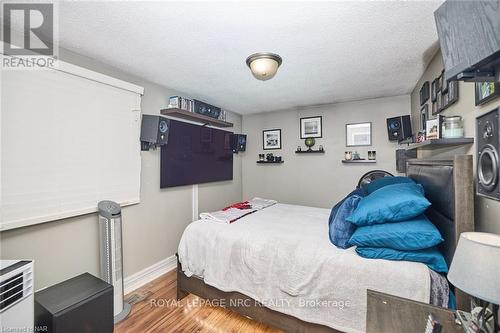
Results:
<point x="392" y="314"/>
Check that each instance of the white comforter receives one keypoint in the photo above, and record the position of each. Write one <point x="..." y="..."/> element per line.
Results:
<point x="282" y="257"/>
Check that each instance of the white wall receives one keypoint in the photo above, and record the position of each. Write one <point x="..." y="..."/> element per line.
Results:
<point x="318" y="180"/>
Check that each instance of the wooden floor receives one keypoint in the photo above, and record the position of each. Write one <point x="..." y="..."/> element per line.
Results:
<point x="156" y="310"/>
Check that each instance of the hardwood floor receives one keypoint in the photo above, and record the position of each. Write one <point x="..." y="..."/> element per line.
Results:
<point x="157" y="310"/>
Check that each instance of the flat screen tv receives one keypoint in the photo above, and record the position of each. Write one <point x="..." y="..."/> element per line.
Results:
<point x="469" y="36"/>
<point x="195" y="154"/>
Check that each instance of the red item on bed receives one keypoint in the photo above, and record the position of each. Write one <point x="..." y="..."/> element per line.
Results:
<point x="239" y="205"/>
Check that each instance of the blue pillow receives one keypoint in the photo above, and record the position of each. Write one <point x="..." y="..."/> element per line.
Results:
<point x="385" y="181"/>
<point x="431" y="257"/>
<point x="340" y="230"/>
<point x="392" y="203"/>
<point x="416" y="234"/>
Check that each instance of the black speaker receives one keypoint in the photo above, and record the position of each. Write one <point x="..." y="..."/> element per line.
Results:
<point x="487" y="144"/>
<point x="399" y="128"/>
<point x="154" y="131"/>
<point x="83" y="304"/>
<point x="238" y="142"/>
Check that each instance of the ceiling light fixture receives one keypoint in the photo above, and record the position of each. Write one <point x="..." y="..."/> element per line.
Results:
<point x="264" y="65"/>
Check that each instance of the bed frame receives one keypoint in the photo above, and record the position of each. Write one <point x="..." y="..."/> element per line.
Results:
<point x="449" y="187"/>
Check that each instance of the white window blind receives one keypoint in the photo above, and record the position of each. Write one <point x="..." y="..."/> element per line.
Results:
<point x="69" y="138"/>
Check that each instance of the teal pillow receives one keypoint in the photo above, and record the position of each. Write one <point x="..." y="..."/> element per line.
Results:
<point x="385" y="181"/>
<point x="416" y="234"/>
<point x="392" y="203"/>
<point x="431" y="257"/>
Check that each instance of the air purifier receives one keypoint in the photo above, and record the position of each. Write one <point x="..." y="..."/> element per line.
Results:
<point x="110" y="234"/>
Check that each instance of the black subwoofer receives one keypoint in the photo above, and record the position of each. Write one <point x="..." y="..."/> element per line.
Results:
<point x="488" y="143"/>
<point x="83" y="304"/>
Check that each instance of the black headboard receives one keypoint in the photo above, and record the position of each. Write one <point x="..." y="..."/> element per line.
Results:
<point x="449" y="186"/>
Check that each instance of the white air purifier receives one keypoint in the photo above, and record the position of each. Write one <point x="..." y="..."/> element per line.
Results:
<point x="110" y="234"/>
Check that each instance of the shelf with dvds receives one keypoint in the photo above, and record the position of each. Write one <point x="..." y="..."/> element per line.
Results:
<point x="200" y="118"/>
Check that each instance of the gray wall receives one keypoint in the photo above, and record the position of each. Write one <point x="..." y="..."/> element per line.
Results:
<point x="487" y="211"/>
<point x="151" y="230"/>
<point x="318" y="180"/>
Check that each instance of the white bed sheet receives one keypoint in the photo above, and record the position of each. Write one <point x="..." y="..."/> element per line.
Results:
<point x="282" y="257"/>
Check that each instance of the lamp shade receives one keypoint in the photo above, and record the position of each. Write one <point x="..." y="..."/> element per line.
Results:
<point x="476" y="266"/>
<point x="264" y="65"/>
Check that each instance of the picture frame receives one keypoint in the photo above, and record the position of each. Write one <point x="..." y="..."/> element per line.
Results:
<point x="434" y="91"/>
<point x="424" y="93"/>
<point x="433" y="128"/>
<point x="311" y="127"/>
<point x="358" y="134"/>
<point x="439" y="83"/>
<point x="424" y="116"/>
<point x="271" y="139"/>
<point x="439" y="102"/>
<point x="452" y="92"/>
<point x="434" y="109"/>
<point x="444" y="100"/>
<point x="486" y="91"/>
<point x="444" y="84"/>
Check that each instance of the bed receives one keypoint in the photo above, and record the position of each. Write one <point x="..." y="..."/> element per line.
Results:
<point x="278" y="266"/>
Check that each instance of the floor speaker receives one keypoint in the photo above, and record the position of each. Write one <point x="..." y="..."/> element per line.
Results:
<point x="399" y="128"/>
<point x="488" y="143"/>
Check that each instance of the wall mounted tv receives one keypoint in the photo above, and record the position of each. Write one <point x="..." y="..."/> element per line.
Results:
<point x="469" y="36"/>
<point x="195" y="154"/>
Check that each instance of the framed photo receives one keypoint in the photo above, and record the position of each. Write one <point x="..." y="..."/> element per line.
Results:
<point x="359" y="134"/>
<point x="433" y="128"/>
<point x="424" y="115"/>
<point x="439" y="101"/>
<point x="271" y="139"/>
<point x="434" y="109"/>
<point x="486" y="91"/>
<point x="434" y="91"/>
<point x="439" y="83"/>
<point x="311" y="127"/>
<point x="452" y="92"/>
<point x="444" y="84"/>
<point x="424" y="93"/>
<point x="444" y="100"/>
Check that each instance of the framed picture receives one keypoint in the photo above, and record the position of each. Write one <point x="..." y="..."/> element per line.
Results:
<point x="439" y="101"/>
<point x="452" y="92"/>
<point x="271" y="139"/>
<point x="439" y="83"/>
<point x="433" y="128"/>
<point x="424" y="115"/>
<point x="434" y="91"/>
<point x="486" y="91"/>
<point x="444" y="84"/>
<point x="434" y="109"/>
<point x="359" y="134"/>
<point x="444" y="100"/>
<point x="310" y="127"/>
<point x="424" y="93"/>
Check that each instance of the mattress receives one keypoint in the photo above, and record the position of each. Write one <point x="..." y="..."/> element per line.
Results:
<point x="282" y="257"/>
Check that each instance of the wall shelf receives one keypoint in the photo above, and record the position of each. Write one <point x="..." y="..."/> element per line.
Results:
<point x="359" y="161"/>
<point x="440" y="143"/>
<point x="206" y="120"/>
<point x="270" y="162"/>
<point x="309" y="151"/>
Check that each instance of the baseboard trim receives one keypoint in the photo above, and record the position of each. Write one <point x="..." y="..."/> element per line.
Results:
<point x="148" y="274"/>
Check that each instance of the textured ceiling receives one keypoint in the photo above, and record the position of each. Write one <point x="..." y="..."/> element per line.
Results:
<point x="332" y="51"/>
